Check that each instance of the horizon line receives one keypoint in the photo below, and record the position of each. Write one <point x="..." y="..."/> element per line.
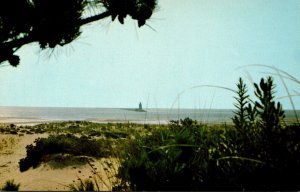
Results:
<point x="98" y="107"/>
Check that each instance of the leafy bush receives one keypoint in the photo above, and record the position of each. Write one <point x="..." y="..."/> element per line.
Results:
<point x="69" y="144"/>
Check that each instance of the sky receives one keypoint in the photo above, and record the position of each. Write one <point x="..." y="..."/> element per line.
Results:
<point x="187" y="45"/>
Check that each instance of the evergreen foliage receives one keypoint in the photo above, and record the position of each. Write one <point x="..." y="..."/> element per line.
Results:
<point x="54" y="23"/>
<point x="243" y="114"/>
<point x="271" y="114"/>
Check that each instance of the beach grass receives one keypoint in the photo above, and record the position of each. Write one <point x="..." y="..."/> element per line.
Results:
<point x="11" y="185"/>
<point x="164" y="150"/>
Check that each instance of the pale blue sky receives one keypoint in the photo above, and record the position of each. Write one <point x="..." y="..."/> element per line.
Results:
<point x="195" y="42"/>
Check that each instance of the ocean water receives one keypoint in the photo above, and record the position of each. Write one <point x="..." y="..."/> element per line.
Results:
<point x="39" y="114"/>
<point x="32" y="114"/>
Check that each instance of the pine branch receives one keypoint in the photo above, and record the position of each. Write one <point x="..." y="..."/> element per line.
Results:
<point x="17" y="43"/>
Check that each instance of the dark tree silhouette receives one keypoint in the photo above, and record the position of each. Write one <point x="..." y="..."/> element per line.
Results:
<point x="57" y="22"/>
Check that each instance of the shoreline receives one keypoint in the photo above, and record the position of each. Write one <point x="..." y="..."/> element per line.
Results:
<point x="37" y="121"/>
<point x="33" y="122"/>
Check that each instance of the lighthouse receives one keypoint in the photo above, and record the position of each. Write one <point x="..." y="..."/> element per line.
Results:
<point x="140" y="109"/>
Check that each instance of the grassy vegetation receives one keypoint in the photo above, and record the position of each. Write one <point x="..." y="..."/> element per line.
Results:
<point x="10" y="185"/>
<point x="258" y="152"/>
<point x="174" y="158"/>
<point x="82" y="128"/>
<point x="78" y="138"/>
<point x="6" y="144"/>
<point x="83" y="185"/>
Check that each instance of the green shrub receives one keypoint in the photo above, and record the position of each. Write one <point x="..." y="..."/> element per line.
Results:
<point x="266" y="140"/>
<point x="259" y="125"/>
<point x="69" y="144"/>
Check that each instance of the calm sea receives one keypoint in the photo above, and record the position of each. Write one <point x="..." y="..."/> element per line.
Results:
<point x="39" y="114"/>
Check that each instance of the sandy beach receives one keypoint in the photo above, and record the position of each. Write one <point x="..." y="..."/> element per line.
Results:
<point x="33" y="121"/>
<point x="53" y="175"/>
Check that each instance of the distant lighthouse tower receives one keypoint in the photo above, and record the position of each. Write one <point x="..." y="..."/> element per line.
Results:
<point x="140" y="109"/>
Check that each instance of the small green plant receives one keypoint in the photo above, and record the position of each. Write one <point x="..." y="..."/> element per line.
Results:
<point x="241" y="113"/>
<point x="83" y="185"/>
<point x="244" y="117"/>
<point x="10" y="185"/>
<point x="271" y="114"/>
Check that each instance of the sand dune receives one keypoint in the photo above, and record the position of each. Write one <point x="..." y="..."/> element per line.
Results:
<point x="48" y="176"/>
